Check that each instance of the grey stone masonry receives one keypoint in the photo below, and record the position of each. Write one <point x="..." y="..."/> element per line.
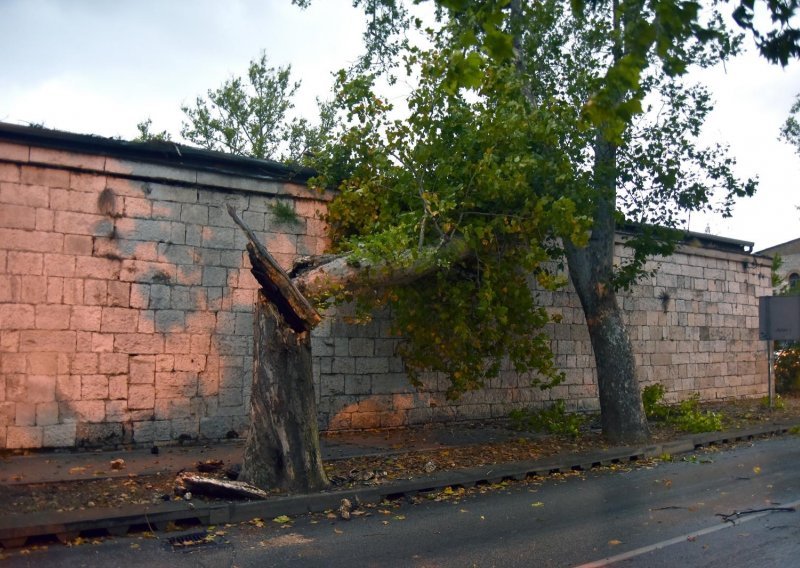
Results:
<point x="694" y="328"/>
<point x="126" y="307"/>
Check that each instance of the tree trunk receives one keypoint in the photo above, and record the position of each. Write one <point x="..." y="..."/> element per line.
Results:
<point x="591" y="270"/>
<point x="282" y="447"/>
<point x="621" y="410"/>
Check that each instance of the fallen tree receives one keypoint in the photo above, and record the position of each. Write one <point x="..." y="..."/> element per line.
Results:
<point x="282" y="447"/>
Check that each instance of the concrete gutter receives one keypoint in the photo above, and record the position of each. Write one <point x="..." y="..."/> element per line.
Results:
<point x="15" y="530"/>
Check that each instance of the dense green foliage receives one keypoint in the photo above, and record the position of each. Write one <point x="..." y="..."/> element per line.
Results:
<point x="497" y="149"/>
<point x="787" y="369"/>
<point x="554" y="420"/>
<point x="686" y="415"/>
<point x="790" y="131"/>
<point x="249" y="116"/>
<point x="480" y="170"/>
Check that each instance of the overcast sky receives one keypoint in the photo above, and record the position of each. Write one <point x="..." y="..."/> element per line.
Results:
<point x="102" y="66"/>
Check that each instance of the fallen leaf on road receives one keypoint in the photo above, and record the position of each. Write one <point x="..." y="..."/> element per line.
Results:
<point x="537" y="504"/>
<point x="614" y="542"/>
<point x="282" y="519"/>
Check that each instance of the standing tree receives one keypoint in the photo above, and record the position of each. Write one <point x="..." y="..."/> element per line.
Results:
<point x="536" y="129"/>
<point x="790" y="130"/>
<point x="249" y="116"/>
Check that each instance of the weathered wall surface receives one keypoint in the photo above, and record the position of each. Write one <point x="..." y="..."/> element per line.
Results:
<point x="694" y="327"/>
<point x="126" y="312"/>
<point x="125" y="296"/>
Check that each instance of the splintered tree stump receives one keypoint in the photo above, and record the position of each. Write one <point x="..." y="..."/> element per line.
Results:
<point x="282" y="448"/>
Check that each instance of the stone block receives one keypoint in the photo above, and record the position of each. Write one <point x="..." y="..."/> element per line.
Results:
<point x="17" y="316"/>
<point x="38" y="241"/>
<point x="22" y="262"/>
<point x="94" y="435"/>
<point x="94" y="387"/>
<point x="170" y="321"/>
<point x="138" y="343"/>
<point x="101" y="342"/>
<point x="176" y="384"/>
<point x="215" y="427"/>
<point x="182" y="428"/>
<point x="17" y="363"/>
<point x="25" y="414"/>
<point x="59" y="435"/>
<point x="358" y="385"/>
<point x="343" y="365"/>
<point x="84" y="363"/>
<point x="31" y="388"/>
<point x="178" y="343"/>
<point x="95" y="292"/>
<point x="159" y="297"/>
<point x="195" y="363"/>
<point x="187" y="298"/>
<point x="361" y="347"/>
<point x="151" y="431"/>
<point x="141" y="396"/>
<point x="371" y="365"/>
<point x="19" y="437"/>
<point x="82" y="411"/>
<point x="230" y="397"/>
<point x="118" y="387"/>
<point x="365" y="420"/>
<point x="172" y="408"/>
<point x="119" y="294"/>
<point x="15" y="193"/>
<point x="68" y="387"/>
<point x="9" y="342"/>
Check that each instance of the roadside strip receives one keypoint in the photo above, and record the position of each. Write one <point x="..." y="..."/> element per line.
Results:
<point x="15" y="530"/>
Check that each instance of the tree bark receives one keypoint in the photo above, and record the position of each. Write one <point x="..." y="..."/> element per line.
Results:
<point x="282" y="448"/>
<point x="591" y="270"/>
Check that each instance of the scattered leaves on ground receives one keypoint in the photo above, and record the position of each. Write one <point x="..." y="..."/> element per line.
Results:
<point x="105" y="492"/>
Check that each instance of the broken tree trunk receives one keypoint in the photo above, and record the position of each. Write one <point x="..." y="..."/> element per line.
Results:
<point x="282" y="447"/>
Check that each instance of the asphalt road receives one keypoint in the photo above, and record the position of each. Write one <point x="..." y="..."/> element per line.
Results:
<point x="659" y="515"/>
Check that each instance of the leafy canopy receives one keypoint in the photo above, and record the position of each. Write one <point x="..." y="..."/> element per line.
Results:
<point x="496" y="149"/>
<point x="478" y="169"/>
<point x="249" y="116"/>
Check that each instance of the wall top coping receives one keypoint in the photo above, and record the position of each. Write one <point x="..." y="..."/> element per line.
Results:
<point x="155" y="160"/>
<point x="187" y="165"/>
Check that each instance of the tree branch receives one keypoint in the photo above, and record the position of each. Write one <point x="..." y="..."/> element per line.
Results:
<point x="276" y="284"/>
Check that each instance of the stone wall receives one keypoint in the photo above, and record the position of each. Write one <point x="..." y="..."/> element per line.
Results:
<point x="125" y="293"/>
<point x="126" y="306"/>
<point x="694" y="327"/>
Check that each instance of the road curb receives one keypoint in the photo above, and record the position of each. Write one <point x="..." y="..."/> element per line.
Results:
<point x="15" y="530"/>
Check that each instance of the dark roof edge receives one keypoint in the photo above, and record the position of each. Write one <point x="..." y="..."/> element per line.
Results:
<point x="704" y="239"/>
<point x="163" y="153"/>
<point x="769" y="250"/>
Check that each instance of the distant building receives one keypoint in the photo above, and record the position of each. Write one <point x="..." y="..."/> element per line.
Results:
<point x="790" y="255"/>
